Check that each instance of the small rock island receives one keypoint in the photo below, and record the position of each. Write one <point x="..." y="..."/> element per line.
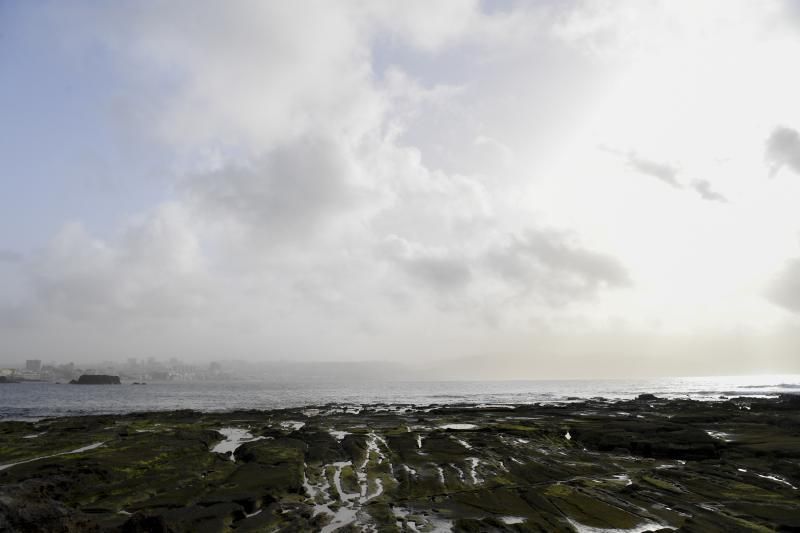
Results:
<point x="96" y="379"/>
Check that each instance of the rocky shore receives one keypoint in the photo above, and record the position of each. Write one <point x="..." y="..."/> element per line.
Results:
<point x="640" y="465"/>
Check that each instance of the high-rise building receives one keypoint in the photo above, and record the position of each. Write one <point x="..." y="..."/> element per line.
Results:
<point x="33" y="365"/>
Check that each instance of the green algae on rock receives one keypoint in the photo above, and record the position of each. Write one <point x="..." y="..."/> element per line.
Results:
<point x="626" y="466"/>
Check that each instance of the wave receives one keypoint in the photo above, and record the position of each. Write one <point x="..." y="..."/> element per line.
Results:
<point x="778" y="386"/>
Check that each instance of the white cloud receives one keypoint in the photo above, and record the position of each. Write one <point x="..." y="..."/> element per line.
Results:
<point x="317" y="190"/>
<point x="153" y="269"/>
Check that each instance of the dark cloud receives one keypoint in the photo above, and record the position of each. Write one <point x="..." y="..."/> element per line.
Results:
<point x="785" y="288"/>
<point x="547" y="263"/>
<point x="668" y="174"/>
<point x="703" y="188"/>
<point x="10" y="256"/>
<point x="437" y="269"/>
<point x="284" y="194"/>
<point x="659" y="170"/>
<point x="442" y="273"/>
<point x="783" y="149"/>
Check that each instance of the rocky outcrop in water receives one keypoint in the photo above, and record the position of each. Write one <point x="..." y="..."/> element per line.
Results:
<point x="96" y="379"/>
<point x="586" y="466"/>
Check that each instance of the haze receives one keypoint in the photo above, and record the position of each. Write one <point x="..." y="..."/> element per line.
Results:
<point x="491" y="189"/>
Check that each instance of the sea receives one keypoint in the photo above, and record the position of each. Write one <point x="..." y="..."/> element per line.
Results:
<point x="33" y="401"/>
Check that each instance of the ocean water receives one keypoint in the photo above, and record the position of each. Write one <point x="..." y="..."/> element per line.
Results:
<point x="25" y="401"/>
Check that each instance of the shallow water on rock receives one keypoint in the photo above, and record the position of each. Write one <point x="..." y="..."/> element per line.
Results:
<point x="459" y="426"/>
<point x="234" y="437"/>
<point x="77" y="450"/>
<point x="641" y="528"/>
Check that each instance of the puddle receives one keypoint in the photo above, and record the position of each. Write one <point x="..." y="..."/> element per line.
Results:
<point x="641" y="528"/>
<point x="440" y="470"/>
<point x="77" y="450"/>
<point x="473" y="471"/>
<point x="416" y="522"/>
<point x="410" y="470"/>
<point x="464" y="443"/>
<point x="623" y="477"/>
<point x="776" y="479"/>
<point x="338" y="435"/>
<point x="345" y="509"/>
<point x="234" y="437"/>
<point x="458" y="426"/>
<point x="721" y="435"/>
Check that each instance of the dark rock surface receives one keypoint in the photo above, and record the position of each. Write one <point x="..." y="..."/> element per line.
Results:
<point x="586" y="466"/>
<point x="96" y="379"/>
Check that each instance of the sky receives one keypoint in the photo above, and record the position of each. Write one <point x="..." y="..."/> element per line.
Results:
<point x="495" y="189"/>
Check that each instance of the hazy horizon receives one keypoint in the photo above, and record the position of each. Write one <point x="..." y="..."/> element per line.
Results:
<point x="486" y="189"/>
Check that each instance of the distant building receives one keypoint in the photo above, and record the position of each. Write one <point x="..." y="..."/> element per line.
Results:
<point x="33" y="365"/>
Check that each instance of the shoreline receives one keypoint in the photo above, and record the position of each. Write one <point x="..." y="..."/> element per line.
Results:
<point x="652" y="463"/>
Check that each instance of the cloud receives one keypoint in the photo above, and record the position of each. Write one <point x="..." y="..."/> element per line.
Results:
<point x="438" y="269"/>
<point x="703" y="188"/>
<point x="505" y="153"/>
<point x="548" y="264"/>
<point x="390" y="164"/>
<point x="668" y="174"/>
<point x="785" y="288"/>
<point x="662" y="171"/>
<point x="783" y="149"/>
<point x="285" y="194"/>
<point x="152" y="269"/>
<point x="10" y="256"/>
<point x="425" y="25"/>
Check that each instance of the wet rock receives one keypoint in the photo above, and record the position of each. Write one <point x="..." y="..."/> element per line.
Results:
<point x="96" y="379"/>
<point x="626" y="465"/>
<point x="140" y="523"/>
<point x="28" y="509"/>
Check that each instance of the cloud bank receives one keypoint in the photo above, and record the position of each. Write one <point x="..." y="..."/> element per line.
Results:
<point x="376" y="181"/>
